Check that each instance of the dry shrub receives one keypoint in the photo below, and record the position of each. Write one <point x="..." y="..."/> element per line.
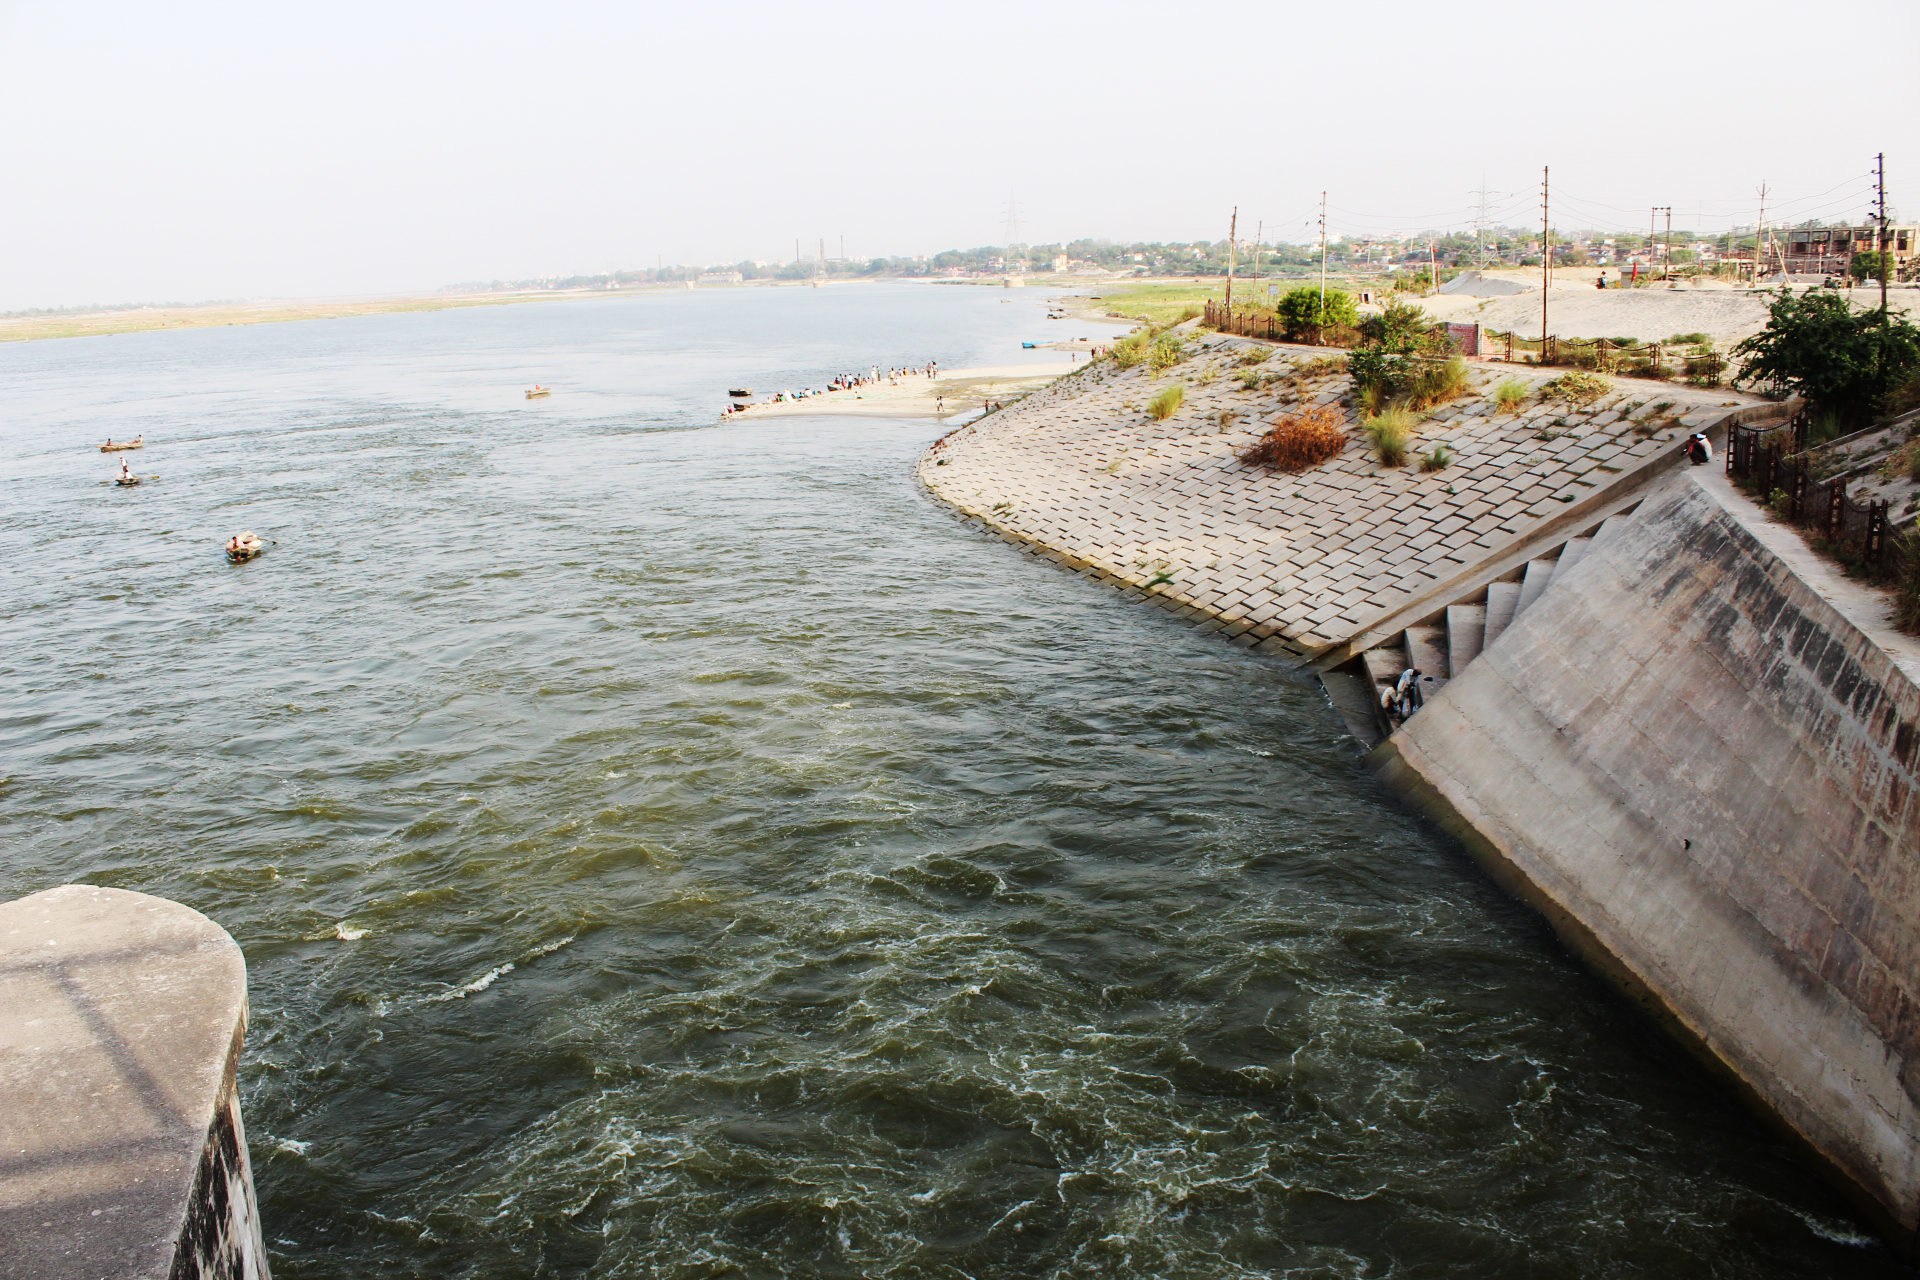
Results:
<point x="1315" y="435"/>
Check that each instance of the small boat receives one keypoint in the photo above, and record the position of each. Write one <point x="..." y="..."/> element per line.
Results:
<point x="534" y="393"/>
<point x="1029" y="345"/>
<point x="245" y="546"/>
<point x="126" y="481"/>
<point x="741" y="391"/>
<point x="138" y="442"/>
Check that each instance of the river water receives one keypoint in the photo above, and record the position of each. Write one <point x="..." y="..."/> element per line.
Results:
<point x="667" y="849"/>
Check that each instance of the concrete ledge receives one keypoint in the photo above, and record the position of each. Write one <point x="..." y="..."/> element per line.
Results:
<point x="122" y="1153"/>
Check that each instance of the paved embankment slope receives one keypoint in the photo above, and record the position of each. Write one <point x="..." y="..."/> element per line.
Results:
<point x="1288" y="562"/>
<point x="1705" y="776"/>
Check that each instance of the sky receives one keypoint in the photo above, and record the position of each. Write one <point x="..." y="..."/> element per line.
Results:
<point x="192" y="151"/>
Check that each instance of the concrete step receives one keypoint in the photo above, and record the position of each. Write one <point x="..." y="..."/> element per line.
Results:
<point x="1427" y="650"/>
<point x="1539" y="574"/>
<point x="1357" y="700"/>
<point x="1573" y="553"/>
<point x="1503" y="600"/>
<point x="1466" y="634"/>
<point x="1609" y="527"/>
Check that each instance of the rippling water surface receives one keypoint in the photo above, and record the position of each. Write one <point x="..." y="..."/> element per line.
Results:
<point x="673" y="850"/>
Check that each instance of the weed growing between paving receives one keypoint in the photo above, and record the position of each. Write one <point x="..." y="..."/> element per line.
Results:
<point x="1436" y="459"/>
<point x="1167" y="403"/>
<point x="1306" y="439"/>
<point x="1509" y="394"/>
<point x="1577" y="389"/>
<point x="1390" y="432"/>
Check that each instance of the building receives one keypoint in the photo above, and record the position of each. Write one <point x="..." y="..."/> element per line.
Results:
<point x="721" y="277"/>
<point x="1828" y="251"/>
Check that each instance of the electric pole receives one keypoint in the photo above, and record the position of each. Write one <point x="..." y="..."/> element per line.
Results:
<point x="1259" y="230"/>
<point x="1323" y="254"/>
<point x="1233" y="229"/>
<point x="1880" y="180"/>
<point x="1546" y="259"/>
<point x="1480" y="227"/>
<point x="1759" y="234"/>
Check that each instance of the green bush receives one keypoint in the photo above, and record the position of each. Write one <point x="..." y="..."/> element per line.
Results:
<point x="1129" y="351"/>
<point x="1389" y="432"/>
<point x="1509" y="394"/>
<point x="1436" y="459"/>
<point x="1402" y="327"/>
<point x="1167" y="352"/>
<point x="1706" y="367"/>
<point x="1383" y="375"/>
<point x="1816" y="344"/>
<point x="1302" y="309"/>
<point x="1690" y="339"/>
<point x="1167" y="403"/>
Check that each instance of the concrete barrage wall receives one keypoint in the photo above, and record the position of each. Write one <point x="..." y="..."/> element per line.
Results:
<point x="1705" y="777"/>
<point x="122" y="1155"/>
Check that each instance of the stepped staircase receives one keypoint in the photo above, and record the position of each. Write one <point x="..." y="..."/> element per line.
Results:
<point x="1441" y="644"/>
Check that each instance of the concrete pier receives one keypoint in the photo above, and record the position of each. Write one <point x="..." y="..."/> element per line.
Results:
<point x="122" y="1154"/>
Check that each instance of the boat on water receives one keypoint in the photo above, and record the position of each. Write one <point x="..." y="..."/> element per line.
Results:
<point x="243" y="547"/>
<point x="127" y="480"/>
<point x="113" y="446"/>
<point x="534" y="393"/>
<point x="1029" y="345"/>
<point x="740" y="391"/>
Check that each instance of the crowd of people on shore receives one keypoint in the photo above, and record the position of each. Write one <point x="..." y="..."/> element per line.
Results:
<point x="849" y="382"/>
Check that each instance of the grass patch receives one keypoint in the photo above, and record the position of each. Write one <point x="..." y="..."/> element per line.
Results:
<point x="1389" y="432"/>
<point x="1167" y="403"/>
<point x="1439" y="382"/>
<point x="1306" y="439"/>
<point x="1509" y="394"/>
<point x="1577" y="389"/>
<point x="1436" y="458"/>
<point x="1166" y="352"/>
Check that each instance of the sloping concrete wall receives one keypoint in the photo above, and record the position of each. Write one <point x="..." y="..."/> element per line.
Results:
<point x="121" y="1150"/>
<point x="1705" y="777"/>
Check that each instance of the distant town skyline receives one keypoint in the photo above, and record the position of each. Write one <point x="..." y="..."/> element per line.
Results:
<point x="213" y="150"/>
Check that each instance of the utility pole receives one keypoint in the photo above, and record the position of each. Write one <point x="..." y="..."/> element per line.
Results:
<point x="1666" y="250"/>
<point x="1759" y="234"/>
<point x="1323" y="254"/>
<point x="1880" y="179"/>
<point x="1233" y="229"/>
<point x="1653" y="235"/>
<point x="1259" y="230"/>
<point x="1546" y="259"/>
<point x="1433" y="257"/>
<point x="1480" y="226"/>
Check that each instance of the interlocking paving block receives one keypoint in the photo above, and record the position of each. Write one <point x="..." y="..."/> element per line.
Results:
<point x="1073" y="468"/>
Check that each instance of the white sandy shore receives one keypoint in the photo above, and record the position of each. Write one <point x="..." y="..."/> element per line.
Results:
<point x="916" y="397"/>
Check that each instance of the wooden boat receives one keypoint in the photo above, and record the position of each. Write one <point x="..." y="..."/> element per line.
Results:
<point x="534" y="393"/>
<point x="126" y="481"/>
<point x="245" y="547"/>
<point x="740" y="391"/>
<point x="138" y="442"/>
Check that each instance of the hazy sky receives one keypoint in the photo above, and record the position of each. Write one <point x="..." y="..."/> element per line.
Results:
<point x="186" y="150"/>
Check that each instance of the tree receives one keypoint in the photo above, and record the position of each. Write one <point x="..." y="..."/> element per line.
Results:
<point x="1302" y="309"/>
<point x="1870" y="266"/>
<point x="1842" y="360"/>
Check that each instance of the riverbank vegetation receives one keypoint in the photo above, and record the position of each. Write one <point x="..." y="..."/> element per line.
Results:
<point x="1300" y="440"/>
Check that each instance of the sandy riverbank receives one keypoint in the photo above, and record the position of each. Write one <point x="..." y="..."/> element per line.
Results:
<point x="916" y="397"/>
